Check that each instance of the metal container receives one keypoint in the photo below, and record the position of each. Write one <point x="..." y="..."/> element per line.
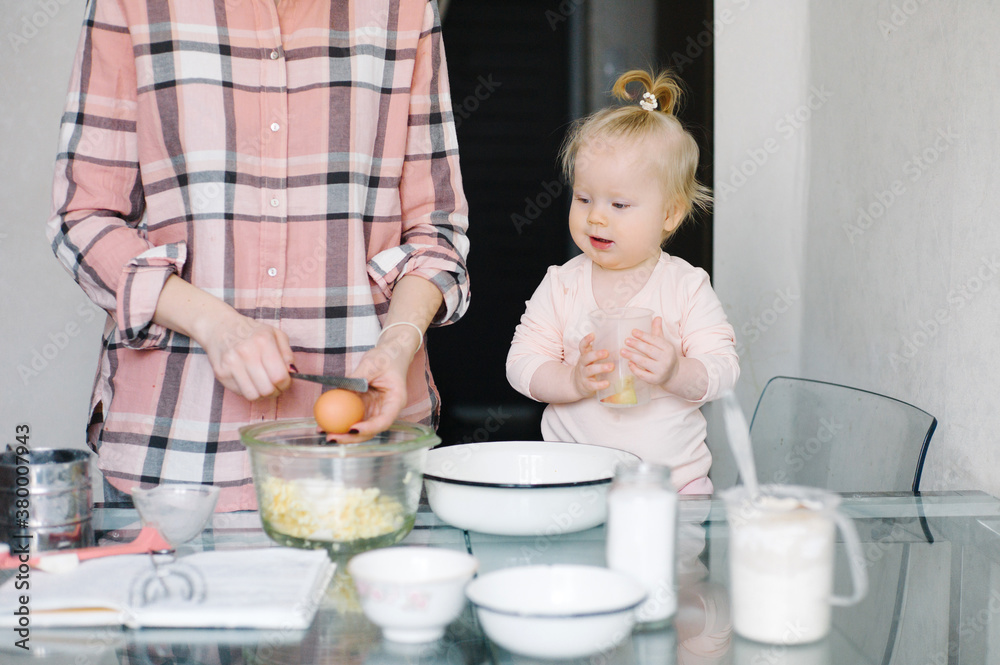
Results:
<point x="46" y="500"/>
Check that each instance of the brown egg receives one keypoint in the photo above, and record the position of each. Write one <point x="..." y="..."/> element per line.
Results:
<point x="337" y="410"/>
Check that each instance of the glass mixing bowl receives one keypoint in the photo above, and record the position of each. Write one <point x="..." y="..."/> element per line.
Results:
<point x="345" y="498"/>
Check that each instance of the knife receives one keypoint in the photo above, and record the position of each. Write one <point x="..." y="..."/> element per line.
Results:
<point x="357" y="385"/>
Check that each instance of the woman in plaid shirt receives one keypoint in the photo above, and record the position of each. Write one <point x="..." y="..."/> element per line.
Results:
<point x="244" y="186"/>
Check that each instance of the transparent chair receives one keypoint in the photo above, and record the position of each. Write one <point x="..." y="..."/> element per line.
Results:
<point x="844" y="439"/>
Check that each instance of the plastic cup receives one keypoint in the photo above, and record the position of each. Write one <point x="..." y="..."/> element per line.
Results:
<point x="611" y="328"/>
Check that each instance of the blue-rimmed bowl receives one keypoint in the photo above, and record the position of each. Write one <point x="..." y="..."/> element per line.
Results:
<point x="556" y="611"/>
<point x="522" y="488"/>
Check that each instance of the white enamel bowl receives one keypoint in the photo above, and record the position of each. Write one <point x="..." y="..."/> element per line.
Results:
<point x="556" y="611"/>
<point x="412" y="593"/>
<point x="522" y="488"/>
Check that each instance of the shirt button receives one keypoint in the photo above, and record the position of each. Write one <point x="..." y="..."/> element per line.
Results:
<point x="275" y="203"/>
<point x="274" y="55"/>
<point x="275" y="126"/>
<point x="272" y="272"/>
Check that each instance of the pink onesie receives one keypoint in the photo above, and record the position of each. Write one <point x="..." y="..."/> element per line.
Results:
<point x="668" y="430"/>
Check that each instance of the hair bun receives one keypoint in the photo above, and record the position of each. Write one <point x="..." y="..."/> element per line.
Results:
<point x="662" y="92"/>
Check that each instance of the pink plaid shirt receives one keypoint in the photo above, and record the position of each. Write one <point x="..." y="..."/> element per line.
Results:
<point x="293" y="160"/>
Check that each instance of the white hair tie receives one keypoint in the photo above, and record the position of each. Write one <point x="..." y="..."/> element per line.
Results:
<point x="648" y="101"/>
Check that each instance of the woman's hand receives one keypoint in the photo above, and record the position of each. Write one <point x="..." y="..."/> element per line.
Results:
<point x="586" y="373"/>
<point x="652" y="357"/>
<point x="385" y="367"/>
<point x="248" y="357"/>
<point x="386" y="396"/>
<point x="412" y="307"/>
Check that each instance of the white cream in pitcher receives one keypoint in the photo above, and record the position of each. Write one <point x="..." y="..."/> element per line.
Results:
<point x="781" y="554"/>
<point x="781" y="560"/>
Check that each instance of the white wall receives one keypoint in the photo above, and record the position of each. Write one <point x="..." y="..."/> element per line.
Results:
<point x="50" y="335"/>
<point x="761" y="177"/>
<point x="893" y="110"/>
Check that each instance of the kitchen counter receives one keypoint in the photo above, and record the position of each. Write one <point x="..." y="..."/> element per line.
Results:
<point x="934" y="597"/>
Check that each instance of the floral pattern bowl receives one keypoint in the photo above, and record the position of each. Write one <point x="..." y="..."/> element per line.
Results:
<point x="412" y="593"/>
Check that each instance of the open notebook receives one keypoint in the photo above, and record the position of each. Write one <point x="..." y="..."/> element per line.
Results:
<point x="273" y="587"/>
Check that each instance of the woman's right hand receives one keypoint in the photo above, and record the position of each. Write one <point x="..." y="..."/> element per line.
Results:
<point x="248" y="357"/>
<point x="586" y="373"/>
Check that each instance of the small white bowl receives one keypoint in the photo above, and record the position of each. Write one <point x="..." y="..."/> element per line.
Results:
<point x="556" y="611"/>
<point x="412" y="593"/>
<point x="522" y="488"/>
<point x="179" y="511"/>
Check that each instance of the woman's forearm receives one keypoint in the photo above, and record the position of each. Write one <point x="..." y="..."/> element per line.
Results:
<point x="250" y="358"/>
<point x="188" y="310"/>
<point x="415" y="301"/>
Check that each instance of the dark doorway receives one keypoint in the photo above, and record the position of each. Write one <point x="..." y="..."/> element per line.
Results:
<point x="509" y="88"/>
<point x="685" y="43"/>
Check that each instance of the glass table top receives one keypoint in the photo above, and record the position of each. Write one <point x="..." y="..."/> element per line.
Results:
<point x="934" y="597"/>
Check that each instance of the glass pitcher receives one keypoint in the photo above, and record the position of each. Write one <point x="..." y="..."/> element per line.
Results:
<point x="781" y="554"/>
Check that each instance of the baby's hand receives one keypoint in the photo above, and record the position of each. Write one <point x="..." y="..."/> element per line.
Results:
<point x="651" y="357"/>
<point x="588" y="367"/>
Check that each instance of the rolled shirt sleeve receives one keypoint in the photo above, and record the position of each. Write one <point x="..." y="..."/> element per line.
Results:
<point x="139" y="291"/>
<point x="434" y="243"/>
<point x="96" y="229"/>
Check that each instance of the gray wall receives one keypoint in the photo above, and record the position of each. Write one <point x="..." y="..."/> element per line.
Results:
<point x="857" y="241"/>
<point x="50" y="334"/>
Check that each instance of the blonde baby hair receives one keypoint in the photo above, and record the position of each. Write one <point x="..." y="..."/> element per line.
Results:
<point x="651" y="121"/>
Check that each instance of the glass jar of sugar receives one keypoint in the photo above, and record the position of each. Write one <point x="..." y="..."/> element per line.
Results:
<point x="642" y="534"/>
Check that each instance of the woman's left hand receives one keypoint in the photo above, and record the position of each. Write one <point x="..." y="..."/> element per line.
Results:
<point x="386" y="396"/>
<point x="414" y="303"/>
<point x="651" y="356"/>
